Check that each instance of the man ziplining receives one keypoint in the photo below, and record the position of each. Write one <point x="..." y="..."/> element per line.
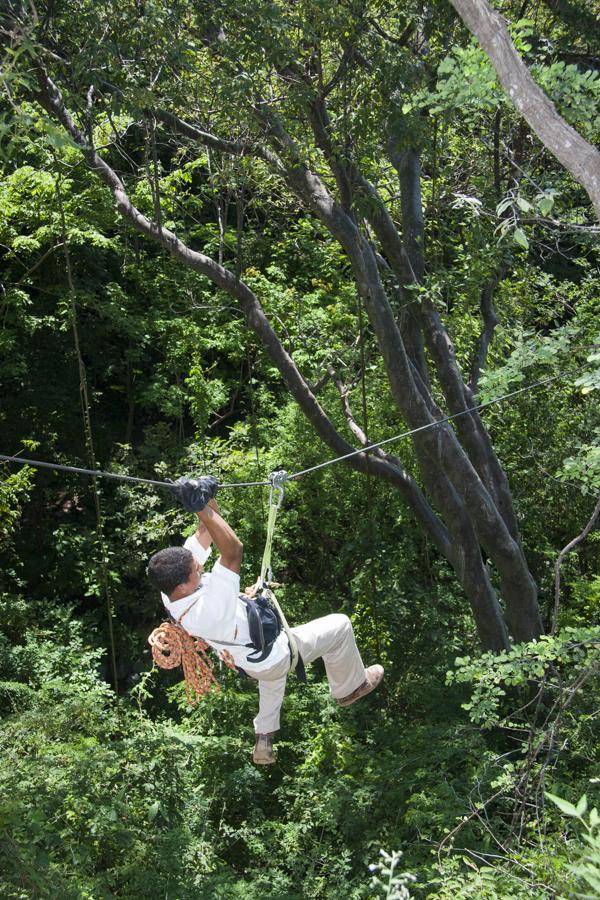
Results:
<point x="213" y="610"/>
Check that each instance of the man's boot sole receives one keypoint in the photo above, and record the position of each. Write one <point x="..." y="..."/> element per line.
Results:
<point x="264" y="762"/>
<point x="364" y="691"/>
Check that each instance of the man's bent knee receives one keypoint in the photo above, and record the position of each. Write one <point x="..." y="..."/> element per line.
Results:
<point x="342" y="622"/>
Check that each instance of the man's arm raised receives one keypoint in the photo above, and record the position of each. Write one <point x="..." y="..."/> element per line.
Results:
<point x="202" y="533"/>
<point x="197" y="495"/>
<point x="226" y="540"/>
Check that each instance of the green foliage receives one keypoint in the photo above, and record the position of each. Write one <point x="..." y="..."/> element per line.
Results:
<point x="14" y="491"/>
<point x="576" y="95"/>
<point x="146" y="797"/>
<point x="584" y="467"/>
<point x="585" y="870"/>
<point x="493" y="675"/>
<point x="466" y="81"/>
<point x="388" y="883"/>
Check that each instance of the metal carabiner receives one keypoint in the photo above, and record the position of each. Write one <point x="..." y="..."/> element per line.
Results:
<point x="277" y="481"/>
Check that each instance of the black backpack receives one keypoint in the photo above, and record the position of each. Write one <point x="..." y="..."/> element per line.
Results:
<point x="264" y="624"/>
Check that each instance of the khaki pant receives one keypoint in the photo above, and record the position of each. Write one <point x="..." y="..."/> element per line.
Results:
<point x="332" y="638"/>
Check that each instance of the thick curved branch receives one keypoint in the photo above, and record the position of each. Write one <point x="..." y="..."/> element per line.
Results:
<point x="578" y="156"/>
<point x="388" y="468"/>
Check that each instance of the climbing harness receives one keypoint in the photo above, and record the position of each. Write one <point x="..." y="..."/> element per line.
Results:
<point x="266" y="618"/>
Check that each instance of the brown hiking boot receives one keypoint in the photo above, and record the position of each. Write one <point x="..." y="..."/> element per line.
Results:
<point x="263" y="750"/>
<point x="374" y="676"/>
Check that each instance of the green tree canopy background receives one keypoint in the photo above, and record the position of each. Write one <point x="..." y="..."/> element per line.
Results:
<point x="316" y="227"/>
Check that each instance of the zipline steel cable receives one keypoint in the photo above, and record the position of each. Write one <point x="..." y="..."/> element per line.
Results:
<point x="442" y="421"/>
<point x="40" y="464"/>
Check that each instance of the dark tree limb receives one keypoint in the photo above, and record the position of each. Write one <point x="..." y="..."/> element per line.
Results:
<point x="385" y="467"/>
<point x="490" y="321"/>
<point x="497" y="165"/>
<point x="319" y="119"/>
<point x="42" y="259"/>
<point x="559" y="561"/>
<point x="339" y="73"/>
<point x="439" y="344"/>
<point x="234" y="148"/>
<point x="466" y="557"/>
<point x="344" y="391"/>
<point x="520" y="595"/>
<point x="408" y="166"/>
<point x="406" y="163"/>
<point x="401" y="41"/>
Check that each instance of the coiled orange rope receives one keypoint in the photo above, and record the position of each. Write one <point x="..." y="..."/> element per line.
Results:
<point x="173" y="646"/>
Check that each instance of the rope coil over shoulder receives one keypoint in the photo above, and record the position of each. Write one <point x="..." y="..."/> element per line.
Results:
<point x="173" y="646"/>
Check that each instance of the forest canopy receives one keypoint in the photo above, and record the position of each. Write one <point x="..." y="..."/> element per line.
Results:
<point x="242" y="237"/>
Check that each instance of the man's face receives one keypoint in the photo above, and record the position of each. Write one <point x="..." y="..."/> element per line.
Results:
<point x="196" y="574"/>
<point x="193" y="582"/>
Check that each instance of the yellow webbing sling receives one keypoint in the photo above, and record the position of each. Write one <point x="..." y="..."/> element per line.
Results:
<point x="277" y="481"/>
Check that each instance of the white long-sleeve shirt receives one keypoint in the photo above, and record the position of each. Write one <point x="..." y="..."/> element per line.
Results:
<point x="216" y="613"/>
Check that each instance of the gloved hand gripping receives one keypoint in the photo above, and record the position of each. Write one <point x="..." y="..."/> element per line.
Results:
<point x="194" y="493"/>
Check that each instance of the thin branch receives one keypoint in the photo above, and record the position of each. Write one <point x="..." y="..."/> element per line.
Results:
<point x="235" y="148"/>
<point x="337" y="75"/>
<point x="567" y="549"/>
<point x="317" y="386"/>
<point x="398" y="41"/>
<point x="353" y="425"/>
<point x="490" y="321"/>
<point x="38" y="263"/>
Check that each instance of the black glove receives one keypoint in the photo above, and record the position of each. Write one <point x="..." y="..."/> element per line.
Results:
<point x="194" y="493"/>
